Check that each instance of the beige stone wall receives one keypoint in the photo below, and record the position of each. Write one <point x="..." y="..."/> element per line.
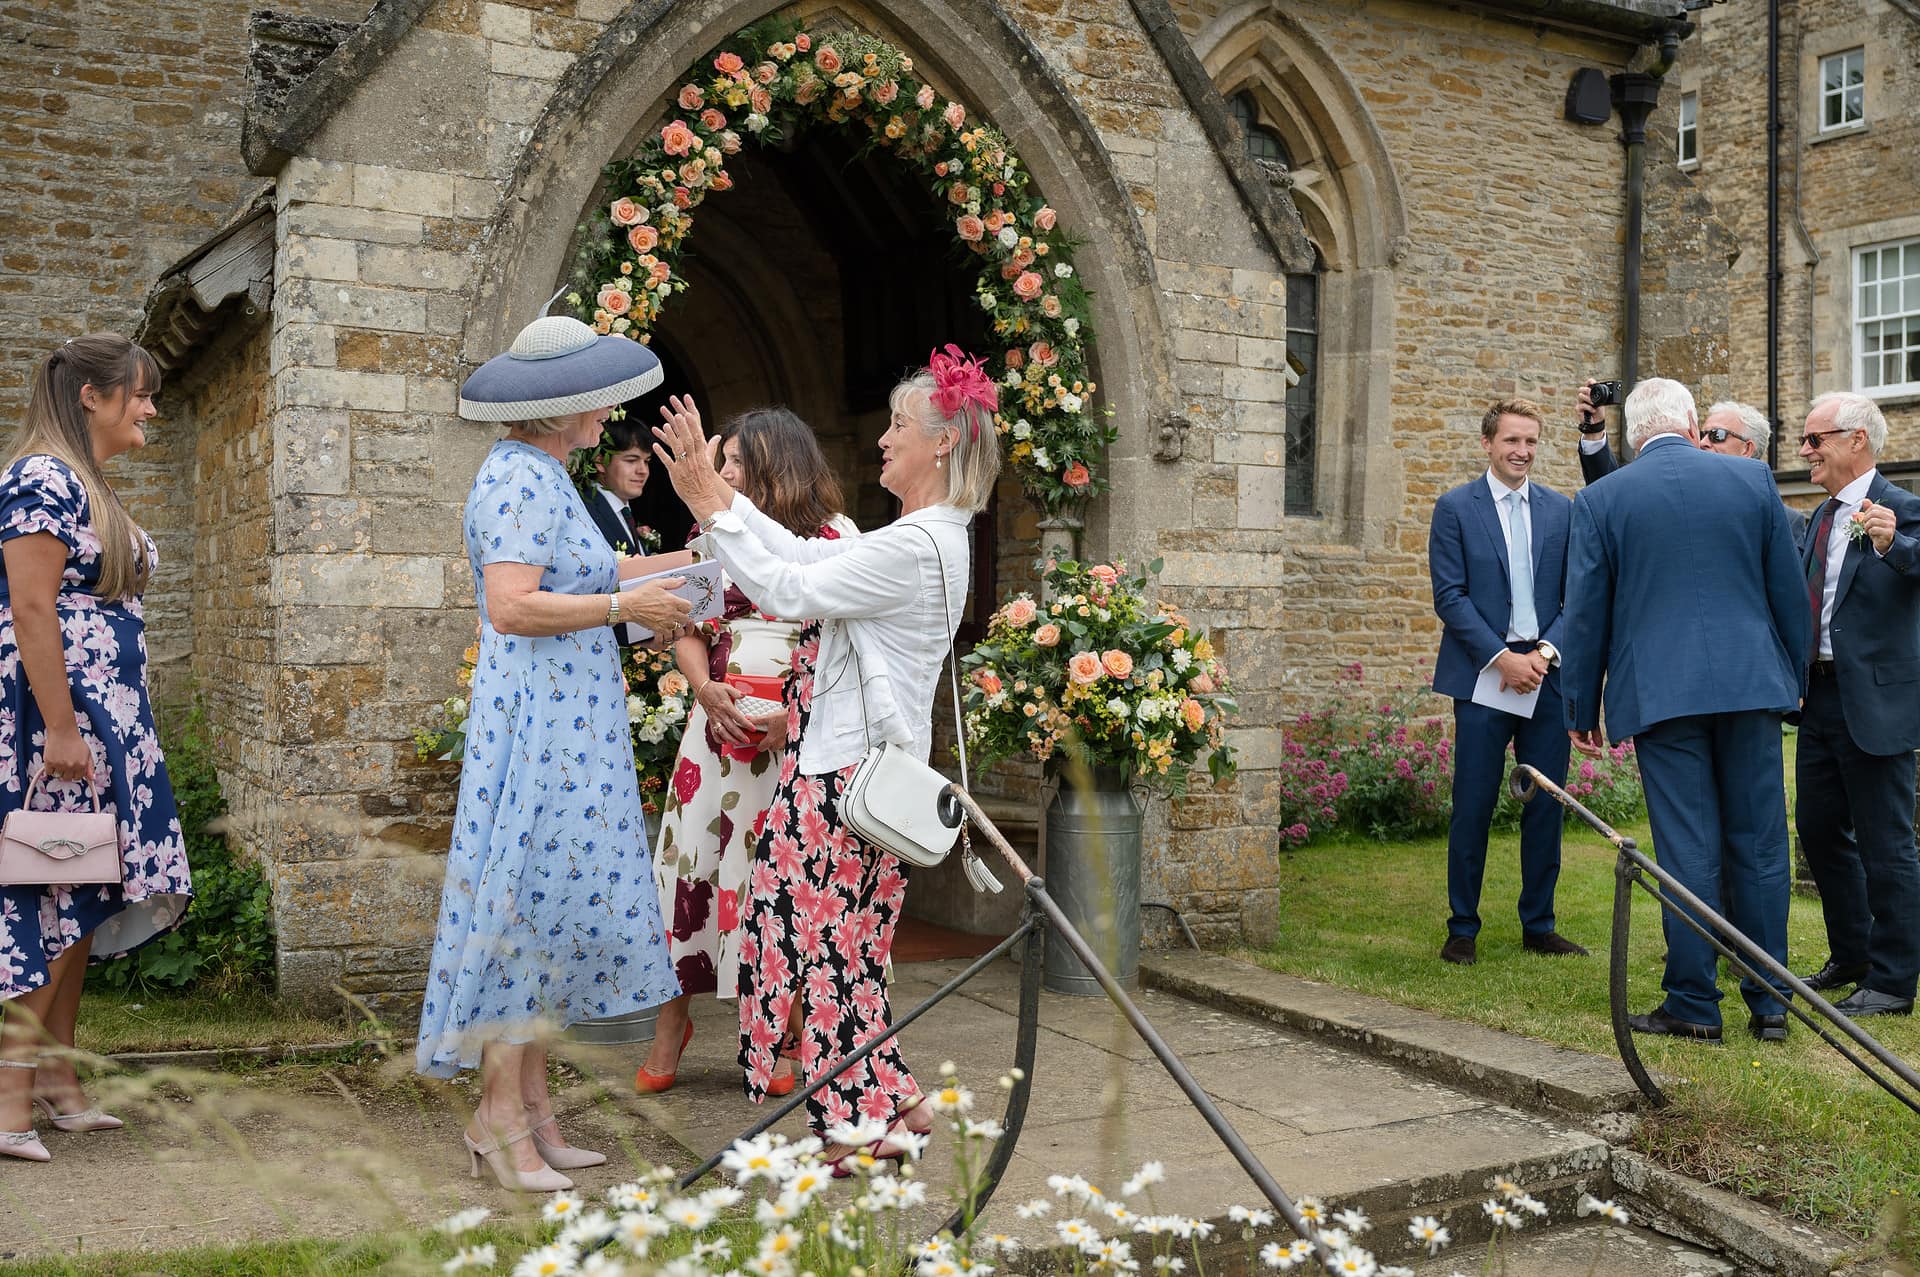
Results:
<point x="1839" y="191"/>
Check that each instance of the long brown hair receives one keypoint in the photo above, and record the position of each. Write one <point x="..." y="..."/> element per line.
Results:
<point x="56" y="426"/>
<point x="783" y="470"/>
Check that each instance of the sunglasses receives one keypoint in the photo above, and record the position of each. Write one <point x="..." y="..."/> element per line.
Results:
<point x="1720" y="434"/>
<point x="1813" y="437"/>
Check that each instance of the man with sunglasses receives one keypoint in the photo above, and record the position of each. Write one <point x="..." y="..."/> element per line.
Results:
<point x="1855" y="763"/>
<point x="1672" y="548"/>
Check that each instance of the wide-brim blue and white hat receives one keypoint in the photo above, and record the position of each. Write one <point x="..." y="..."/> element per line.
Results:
<point x="558" y="366"/>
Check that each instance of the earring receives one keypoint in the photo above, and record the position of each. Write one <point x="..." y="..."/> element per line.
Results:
<point x="939" y="461"/>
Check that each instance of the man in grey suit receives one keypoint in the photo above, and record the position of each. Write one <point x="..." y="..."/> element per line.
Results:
<point x="1855" y="764"/>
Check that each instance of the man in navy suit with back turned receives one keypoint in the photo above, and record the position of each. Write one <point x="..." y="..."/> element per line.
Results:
<point x="1497" y="556"/>
<point x="1684" y="589"/>
<point x="1855" y="767"/>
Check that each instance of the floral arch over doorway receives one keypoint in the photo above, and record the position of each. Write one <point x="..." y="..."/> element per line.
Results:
<point x="774" y="79"/>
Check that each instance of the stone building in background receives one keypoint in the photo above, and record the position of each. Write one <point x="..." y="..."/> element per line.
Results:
<point x="1321" y="237"/>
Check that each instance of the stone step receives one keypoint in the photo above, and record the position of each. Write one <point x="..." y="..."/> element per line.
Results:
<point x="1597" y="1249"/>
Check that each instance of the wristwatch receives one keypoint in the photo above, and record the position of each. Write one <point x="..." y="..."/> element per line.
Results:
<point x="1549" y="651"/>
<point x="1592" y="427"/>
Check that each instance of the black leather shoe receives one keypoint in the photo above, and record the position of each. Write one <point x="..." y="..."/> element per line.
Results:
<point x="1864" y="1001"/>
<point x="1552" y="942"/>
<point x="1835" y="974"/>
<point x="1459" y="949"/>
<point x="1657" y="1021"/>
<point x="1768" y="1028"/>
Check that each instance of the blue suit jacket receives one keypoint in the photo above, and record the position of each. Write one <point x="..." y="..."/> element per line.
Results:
<point x="1685" y="593"/>
<point x="1876" y="630"/>
<point x="1467" y="559"/>
<point x="1598" y="464"/>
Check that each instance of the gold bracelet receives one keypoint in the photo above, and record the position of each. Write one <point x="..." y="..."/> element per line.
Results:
<point x="613" y="609"/>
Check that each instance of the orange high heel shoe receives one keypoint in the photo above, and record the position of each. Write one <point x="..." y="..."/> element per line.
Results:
<point x="790" y="1052"/>
<point x="646" y="1081"/>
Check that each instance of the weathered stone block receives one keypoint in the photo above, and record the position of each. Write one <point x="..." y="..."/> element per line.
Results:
<point x="353" y="306"/>
<point x="307" y="978"/>
<point x="1263" y="495"/>
<point x="527" y="62"/>
<point x="366" y="225"/>
<point x="1262" y="384"/>
<point x="329" y="388"/>
<point x="311" y="451"/>
<point x="440" y="75"/>
<point x="316" y="258"/>
<point x="432" y="394"/>
<point x="506" y="22"/>
<point x="397" y="190"/>
<point x="307" y="180"/>
<point x="414" y="267"/>
<point x="381" y="903"/>
<point x="309" y="345"/>
<point x="359" y="580"/>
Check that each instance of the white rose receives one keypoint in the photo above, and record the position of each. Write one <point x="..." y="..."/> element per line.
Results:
<point x="1071" y="324"/>
<point x="1070" y="402"/>
<point x="988" y="301"/>
<point x="973" y="206"/>
<point x="1022" y="429"/>
<point x="1117" y="707"/>
<point x="1149" y="710"/>
<point x="673" y="705"/>
<point x="996" y="700"/>
<point x="1009" y="237"/>
<point x="1061" y="270"/>
<point x="756" y="122"/>
<point x="1041" y="460"/>
<point x="1013" y="376"/>
<point x="636" y="709"/>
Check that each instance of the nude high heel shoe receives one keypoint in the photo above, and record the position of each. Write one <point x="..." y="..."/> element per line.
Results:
<point x="86" y="1120"/>
<point x="493" y="1153"/>
<point x="26" y="1144"/>
<point x="562" y="1157"/>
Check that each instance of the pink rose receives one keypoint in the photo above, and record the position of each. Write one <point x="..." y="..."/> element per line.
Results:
<point x="924" y="98"/>
<point x="1044" y="354"/>
<point x="1023" y="258"/>
<point x="1021" y="612"/>
<point x="1009" y="270"/>
<point x="803" y="42"/>
<point x="677" y="138"/>
<point x="614" y="301"/>
<point x="720" y="181"/>
<point x="643" y="238"/>
<point x="1116" y="662"/>
<point x="761" y="100"/>
<point x="683" y="198"/>
<point x="957" y="193"/>
<point x="1047" y="635"/>
<point x="1043" y="220"/>
<point x="1016" y="358"/>
<point x="728" y="64"/>
<point x="1028" y="286"/>
<point x="828" y="59"/>
<point x="1083" y="668"/>
<point x="1192" y="713"/>
<point x="970" y="229"/>
<point x="955" y="115"/>
<point x="713" y="121"/>
<point x="626" y="213"/>
<point x="988" y="682"/>
<point x="1050" y="306"/>
<point x="766" y="73"/>
<point x="691" y="98"/>
<point x="996" y="219"/>
<point x="1104" y="573"/>
<point x="1076" y="476"/>
<point x="659" y="273"/>
<point x="807" y="92"/>
<point x="1201" y="683"/>
<point x="886" y="93"/>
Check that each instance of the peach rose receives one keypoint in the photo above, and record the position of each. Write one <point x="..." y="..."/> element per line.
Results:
<point x="1050" y="306"/>
<point x="955" y="115"/>
<point x="1044" y="354"/>
<point x="957" y="193"/>
<point x="1076" y="476"/>
<point x="682" y="197"/>
<point x="626" y="213"/>
<point x="766" y="73"/>
<point x="996" y="219"/>
<point x="1105" y="573"/>
<point x="970" y="229"/>
<point x="761" y="100"/>
<point x="729" y="143"/>
<point x="803" y="42"/>
<point x="1008" y="270"/>
<point x="712" y="120"/>
<point x="828" y="59"/>
<point x="614" y="301"/>
<point x="1047" y="635"/>
<point x="677" y="138"/>
<point x="643" y="238"/>
<point x="659" y="274"/>
<point x="924" y="98"/>
<point x="1028" y="286"/>
<point x="1023" y="258"/>
<point x="1021" y="612"/>
<point x="1116" y="662"/>
<point x="720" y="181"/>
<point x="1044" y="219"/>
<point x="988" y="682"/>
<point x="1083" y="668"/>
<point x="691" y="98"/>
<point x="728" y="64"/>
<point x="887" y="92"/>
<point x="807" y="91"/>
<point x="1192" y="714"/>
<point x="1016" y="358"/>
<point x="1201" y="683"/>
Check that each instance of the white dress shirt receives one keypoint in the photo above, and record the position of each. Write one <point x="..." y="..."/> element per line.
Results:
<point x="1505" y="507"/>
<point x="1845" y="502"/>
<point x="889" y="618"/>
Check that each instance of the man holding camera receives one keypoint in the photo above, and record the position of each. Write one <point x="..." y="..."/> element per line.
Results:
<point x="1497" y="555"/>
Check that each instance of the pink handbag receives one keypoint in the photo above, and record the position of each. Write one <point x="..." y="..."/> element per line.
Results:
<point x="59" y="848"/>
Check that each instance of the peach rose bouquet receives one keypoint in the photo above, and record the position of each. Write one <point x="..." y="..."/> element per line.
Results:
<point x="1101" y="674"/>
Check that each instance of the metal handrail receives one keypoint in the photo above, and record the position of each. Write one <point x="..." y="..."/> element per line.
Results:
<point x="1635" y="867"/>
<point x="1041" y="913"/>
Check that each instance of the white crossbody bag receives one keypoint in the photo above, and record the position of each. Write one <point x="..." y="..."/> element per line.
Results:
<point x="893" y="799"/>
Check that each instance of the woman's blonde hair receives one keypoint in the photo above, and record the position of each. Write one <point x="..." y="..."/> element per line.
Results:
<point x="538" y="427"/>
<point x="973" y="467"/>
<point x="56" y="426"/>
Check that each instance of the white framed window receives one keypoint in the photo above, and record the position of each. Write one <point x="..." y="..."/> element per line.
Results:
<point x="1886" y="318"/>
<point x="1687" y="140"/>
<point x="1843" y="80"/>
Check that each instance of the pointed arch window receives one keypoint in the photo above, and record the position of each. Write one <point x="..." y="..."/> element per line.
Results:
<point x="1262" y="142"/>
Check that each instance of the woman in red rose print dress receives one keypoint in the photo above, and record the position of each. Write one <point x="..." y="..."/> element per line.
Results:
<point x="822" y="904"/>
<point x="726" y="770"/>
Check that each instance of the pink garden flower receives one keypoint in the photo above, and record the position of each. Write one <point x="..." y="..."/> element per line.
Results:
<point x="1083" y="668"/>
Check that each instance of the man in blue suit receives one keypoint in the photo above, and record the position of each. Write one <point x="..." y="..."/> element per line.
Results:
<point x="1855" y="765"/>
<point x="1684" y="595"/>
<point x="1497" y="555"/>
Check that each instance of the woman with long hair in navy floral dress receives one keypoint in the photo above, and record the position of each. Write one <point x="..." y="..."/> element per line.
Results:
<point x="822" y="903"/>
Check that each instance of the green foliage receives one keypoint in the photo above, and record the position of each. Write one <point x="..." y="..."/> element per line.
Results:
<point x="226" y="941"/>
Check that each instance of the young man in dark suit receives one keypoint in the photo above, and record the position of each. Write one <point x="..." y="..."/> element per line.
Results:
<point x="619" y="481"/>
<point x="1497" y="557"/>
<point x="1684" y="589"/>
<point x="1855" y="764"/>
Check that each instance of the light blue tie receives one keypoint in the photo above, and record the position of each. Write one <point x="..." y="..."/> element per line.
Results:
<point x="1526" y="623"/>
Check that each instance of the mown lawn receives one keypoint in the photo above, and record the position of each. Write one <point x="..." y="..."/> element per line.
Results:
<point x="112" y="1021"/>
<point x="1792" y="1125"/>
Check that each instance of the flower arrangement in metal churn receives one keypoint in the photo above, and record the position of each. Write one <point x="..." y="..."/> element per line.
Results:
<point x="1102" y="675"/>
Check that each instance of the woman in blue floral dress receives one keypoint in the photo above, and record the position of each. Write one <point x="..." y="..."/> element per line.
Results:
<point x="73" y="705"/>
<point x="549" y="914"/>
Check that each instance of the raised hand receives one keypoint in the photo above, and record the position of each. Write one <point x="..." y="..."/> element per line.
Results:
<point x="690" y="458"/>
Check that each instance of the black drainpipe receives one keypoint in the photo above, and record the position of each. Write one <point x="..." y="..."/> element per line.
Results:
<point x="1774" y="128"/>
<point x="1635" y="94"/>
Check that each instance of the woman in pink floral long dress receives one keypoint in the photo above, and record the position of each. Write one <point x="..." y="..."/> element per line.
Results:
<point x="822" y="903"/>
<point x="722" y="780"/>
